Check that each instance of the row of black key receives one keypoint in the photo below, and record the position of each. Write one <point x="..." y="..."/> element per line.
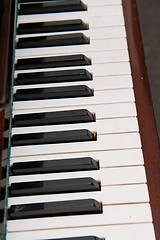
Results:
<point x="85" y="206"/>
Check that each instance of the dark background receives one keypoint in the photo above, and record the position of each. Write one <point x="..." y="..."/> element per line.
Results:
<point x="149" y="16"/>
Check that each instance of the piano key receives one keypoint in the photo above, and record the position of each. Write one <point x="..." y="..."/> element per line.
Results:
<point x="52" y="7"/>
<point x="91" y="33"/>
<point x="115" y="176"/>
<point x="109" y="195"/>
<point x="74" y="74"/>
<point x="53" y="93"/>
<point x="102" y="111"/>
<point x="56" y="26"/>
<point x="92" y="11"/>
<point x="24" y="65"/>
<point x="94" y="2"/>
<point x="50" y="166"/>
<point x="106" y="159"/>
<point x="129" y="231"/>
<point x="95" y="45"/>
<point x="77" y="207"/>
<point x="49" y="118"/>
<point x="54" y="186"/>
<point x="56" y="40"/>
<point x="104" y="142"/>
<point x="53" y="76"/>
<point x="102" y="126"/>
<point x="52" y="137"/>
<point x="94" y="21"/>
<point x="50" y="62"/>
<point x="115" y="214"/>
<point x="100" y="97"/>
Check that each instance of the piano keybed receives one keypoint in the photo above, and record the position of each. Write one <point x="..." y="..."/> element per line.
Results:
<point x="79" y="138"/>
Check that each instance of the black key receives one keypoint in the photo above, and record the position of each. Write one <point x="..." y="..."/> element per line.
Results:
<point x="52" y="7"/>
<point x="53" y="93"/>
<point x="79" y="238"/>
<point x="53" y="62"/>
<point x="56" y="26"/>
<point x="54" y="187"/>
<point x="52" y="137"/>
<point x="51" y="166"/>
<point x="50" y="209"/>
<point x="52" y="41"/>
<point x="50" y="118"/>
<point x="53" y="77"/>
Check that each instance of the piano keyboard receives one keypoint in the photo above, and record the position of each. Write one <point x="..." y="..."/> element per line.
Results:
<point x="76" y="163"/>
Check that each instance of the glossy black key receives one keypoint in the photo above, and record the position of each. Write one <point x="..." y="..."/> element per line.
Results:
<point x="50" y="209"/>
<point x="79" y="238"/>
<point x="53" y="62"/>
<point x="53" y="93"/>
<point x="52" y="7"/>
<point x="53" y="77"/>
<point x="52" y="166"/>
<point x="56" y="26"/>
<point x="54" y="187"/>
<point x="52" y="137"/>
<point x="53" y="40"/>
<point x="52" y="118"/>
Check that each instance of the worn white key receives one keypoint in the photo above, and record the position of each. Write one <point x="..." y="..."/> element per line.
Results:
<point x="96" y="57"/>
<point x="100" y="97"/>
<point x="104" y="142"/>
<point x="105" y="126"/>
<point x="102" y="2"/>
<point x="99" y="83"/>
<point x="118" y="158"/>
<point x="92" y="11"/>
<point x="95" y="45"/>
<point x="108" y="195"/>
<point x="98" y="70"/>
<point x="116" y="214"/>
<point x="92" y="33"/>
<point x="130" y="232"/>
<point x="100" y="111"/>
<point x="92" y="21"/>
<point x="107" y="176"/>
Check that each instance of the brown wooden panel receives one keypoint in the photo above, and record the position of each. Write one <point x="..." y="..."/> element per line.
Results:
<point x="148" y="131"/>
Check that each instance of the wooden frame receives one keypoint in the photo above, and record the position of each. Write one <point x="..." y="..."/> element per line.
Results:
<point x="147" y="124"/>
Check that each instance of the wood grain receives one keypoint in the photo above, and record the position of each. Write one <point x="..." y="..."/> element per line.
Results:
<point x="148" y="131"/>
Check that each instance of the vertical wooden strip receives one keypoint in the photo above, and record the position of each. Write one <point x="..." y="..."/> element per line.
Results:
<point x="147" y="125"/>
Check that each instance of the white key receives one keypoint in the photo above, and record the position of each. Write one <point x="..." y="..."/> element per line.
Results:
<point x="103" y="69"/>
<point x="99" y="83"/>
<point x="95" y="45"/>
<point x="129" y="232"/>
<point x="92" y="11"/>
<point x="118" y="158"/>
<point x="116" y="214"/>
<point x="92" y="33"/>
<point x="104" y="142"/>
<point x="108" y="195"/>
<point x="101" y="111"/>
<point x="102" y="2"/>
<point x="105" y="126"/>
<point x="100" y="97"/>
<point x="93" y="22"/>
<point x="96" y="57"/>
<point x="107" y="176"/>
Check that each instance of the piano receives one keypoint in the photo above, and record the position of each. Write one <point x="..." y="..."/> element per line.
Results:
<point x="80" y="156"/>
